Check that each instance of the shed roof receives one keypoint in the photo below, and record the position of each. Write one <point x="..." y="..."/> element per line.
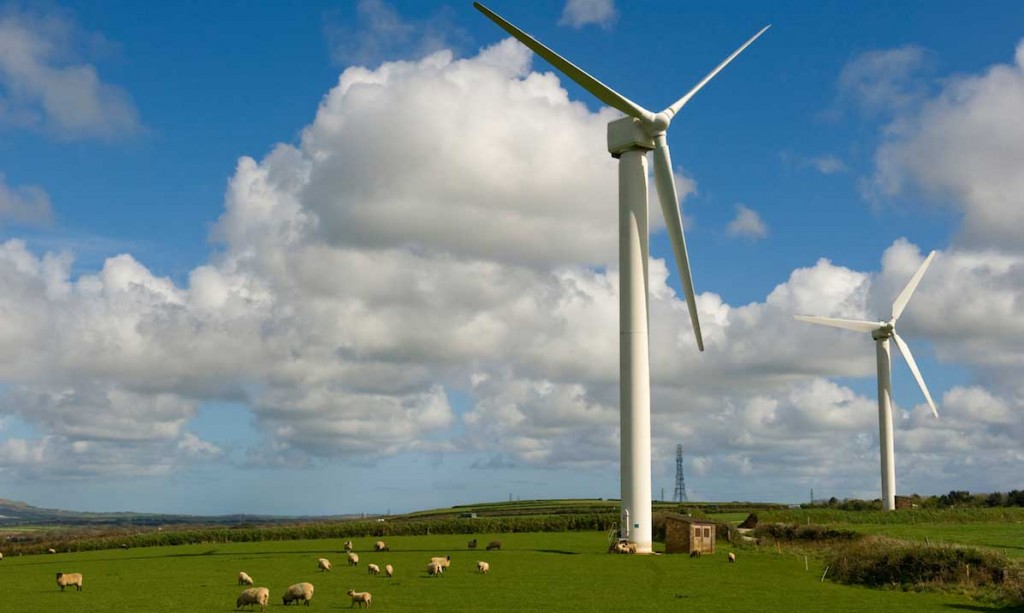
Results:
<point x="688" y="519"/>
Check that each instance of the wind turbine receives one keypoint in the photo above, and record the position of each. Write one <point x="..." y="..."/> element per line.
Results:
<point x="629" y="140"/>
<point x="881" y="332"/>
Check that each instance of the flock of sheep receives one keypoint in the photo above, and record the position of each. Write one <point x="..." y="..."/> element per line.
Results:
<point x="303" y="592"/>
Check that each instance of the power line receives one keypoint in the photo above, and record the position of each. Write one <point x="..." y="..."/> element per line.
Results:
<point x="680" y="493"/>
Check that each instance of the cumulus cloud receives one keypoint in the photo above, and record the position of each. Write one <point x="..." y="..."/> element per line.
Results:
<point x="381" y="33"/>
<point x="964" y="149"/>
<point x="747" y="224"/>
<point x="26" y="204"/>
<point x="884" y="81"/>
<point x="44" y="85"/>
<point x="579" y="13"/>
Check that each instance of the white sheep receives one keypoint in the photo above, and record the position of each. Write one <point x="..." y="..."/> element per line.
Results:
<point x="373" y="569"/>
<point x="483" y="567"/>
<point x="353" y="559"/>
<point x="244" y="578"/>
<point x="51" y="550"/>
<point x="300" y="591"/>
<point x="381" y="546"/>
<point x="253" y="596"/>
<point x="348" y="545"/>
<point x="444" y="562"/>
<point x="65" y="579"/>
<point x="323" y="564"/>
<point x="389" y="571"/>
<point x="434" y="569"/>
<point x="1" y="555"/>
<point x="361" y="598"/>
<point x="732" y="557"/>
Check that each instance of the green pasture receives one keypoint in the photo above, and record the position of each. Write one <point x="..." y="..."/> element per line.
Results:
<point x="532" y="572"/>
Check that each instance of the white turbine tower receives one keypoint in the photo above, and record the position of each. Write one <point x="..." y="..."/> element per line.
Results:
<point x="881" y="332"/>
<point x="629" y="140"/>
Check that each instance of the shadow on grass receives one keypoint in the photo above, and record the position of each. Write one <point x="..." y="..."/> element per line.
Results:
<point x="971" y="607"/>
<point x="559" y="551"/>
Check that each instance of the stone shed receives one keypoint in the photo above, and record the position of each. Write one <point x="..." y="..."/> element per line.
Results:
<point x="685" y="534"/>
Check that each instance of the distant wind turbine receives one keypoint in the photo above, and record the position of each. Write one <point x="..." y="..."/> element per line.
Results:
<point x="881" y="332"/>
<point x="629" y="140"/>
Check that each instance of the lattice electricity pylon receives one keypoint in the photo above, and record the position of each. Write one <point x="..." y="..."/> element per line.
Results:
<point x="680" y="493"/>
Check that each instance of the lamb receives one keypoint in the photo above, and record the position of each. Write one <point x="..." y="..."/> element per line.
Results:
<point x="389" y="571"/>
<point x="353" y="559"/>
<point x="381" y="546"/>
<point x="361" y="598"/>
<point x="483" y="567"/>
<point x="373" y="569"/>
<point x="300" y="591"/>
<point x="348" y="545"/>
<point x="244" y="578"/>
<point x="65" y="579"/>
<point x="434" y="569"/>
<point x="253" y="595"/>
<point x="732" y="557"/>
<point x="493" y="545"/>
<point x="323" y="564"/>
<point x="472" y="544"/>
<point x="1" y="555"/>
<point x="51" y="550"/>
<point x="444" y="562"/>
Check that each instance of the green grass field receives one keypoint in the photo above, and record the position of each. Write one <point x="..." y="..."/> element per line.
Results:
<point x="533" y="572"/>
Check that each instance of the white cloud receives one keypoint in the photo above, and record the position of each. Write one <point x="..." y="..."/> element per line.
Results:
<point x="383" y="34"/>
<point x="827" y="164"/>
<point x="884" y="81"/>
<point x="747" y="224"/>
<point x="26" y="204"/>
<point x="964" y="149"/>
<point x="579" y="13"/>
<point x="44" y="86"/>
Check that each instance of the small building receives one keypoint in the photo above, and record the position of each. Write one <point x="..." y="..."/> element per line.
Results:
<point x="684" y="534"/>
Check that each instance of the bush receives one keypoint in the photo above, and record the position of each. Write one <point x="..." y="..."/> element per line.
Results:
<point x="804" y="533"/>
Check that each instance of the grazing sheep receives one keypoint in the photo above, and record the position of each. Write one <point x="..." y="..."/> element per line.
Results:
<point x="1" y="555"/>
<point x="300" y="591"/>
<point x="694" y="554"/>
<point x="244" y="578"/>
<point x="444" y="562"/>
<point x="493" y="545"/>
<point x="124" y="546"/>
<point x="64" y="579"/>
<point x="483" y="567"/>
<point x="51" y="550"/>
<point x="622" y="546"/>
<point x="472" y="544"/>
<point x="732" y="557"/>
<point x="434" y="569"/>
<point x="353" y="559"/>
<point x="348" y="545"/>
<point x="323" y="564"/>
<point x="373" y="569"/>
<point x="253" y="596"/>
<point x="361" y="598"/>
<point x="381" y="546"/>
<point x="389" y="571"/>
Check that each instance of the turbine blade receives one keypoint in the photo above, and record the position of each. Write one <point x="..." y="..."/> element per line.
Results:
<point x="672" y="110"/>
<point x="601" y="91"/>
<point x="849" y="324"/>
<point x="905" y="350"/>
<point x="666" y="185"/>
<point x="901" y="301"/>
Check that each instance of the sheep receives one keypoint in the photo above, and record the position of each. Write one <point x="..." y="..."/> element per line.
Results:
<point x="353" y="559"/>
<point x="348" y="545"/>
<point x="732" y="557"/>
<point x="381" y="546"/>
<point x="244" y="578"/>
<point x="622" y="546"/>
<point x="434" y="569"/>
<point x="323" y="564"/>
<point x="124" y="546"/>
<point x="389" y="571"/>
<point x="483" y="567"/>
<point x="361" y="598"/>
<point x="373" y="569"/>
<point x="444" y="562"/>
<point x="300" y="591"/>
<point x="472" y="544"/>
<point x="694" y="554"/>
<point x="65" y="579"/>
<point x="1" y="555"/>
<point x="51" y="550"/>
<point x="252" y="596"/>
<point x="493" y="545"/>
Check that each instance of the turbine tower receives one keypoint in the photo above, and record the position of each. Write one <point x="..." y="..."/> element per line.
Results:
<point x="629" y="140"/>
<point x="881" y="332"/>
<point x="680" y="493"/>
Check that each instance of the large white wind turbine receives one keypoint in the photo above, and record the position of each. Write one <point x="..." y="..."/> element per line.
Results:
<point x="629" y="140"/>
<point x="881" y="332"/>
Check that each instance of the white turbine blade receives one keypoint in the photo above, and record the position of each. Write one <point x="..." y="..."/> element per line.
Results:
<point x="672" y="110"/>
<point x="905" y="350"/>
<point x="849" y="324"/>
<point x="670" y="209"/>
<point x="901" y="301"/>
<point x="601" y="91"/>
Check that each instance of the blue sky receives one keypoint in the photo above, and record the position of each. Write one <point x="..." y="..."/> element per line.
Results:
<point x="367" y="250"/>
